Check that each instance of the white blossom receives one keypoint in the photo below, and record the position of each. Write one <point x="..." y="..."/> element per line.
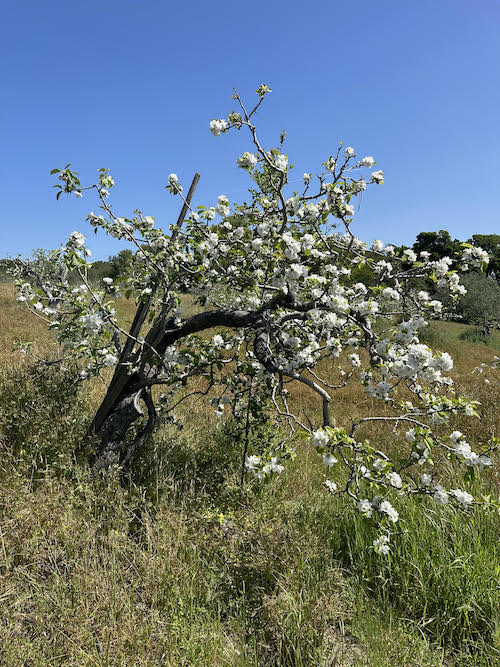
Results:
<point x="367" y="161"/>
<point x="365" y="507"/>
<point x="274" y="466"/>
<point x="440" y="495"/>
<point x="425" y="479"/>
<point x="462" y="496"/>
<point x="320" y="438"/>
<point x="381" y="545"/>
<point x="280" y="161"/>
<point x="355" y="360"/>
<point x="386" y="507"/>
<point x="247" y="160"/>
<point x="217" y="126"/>
<point x="77" y="239"/>
<point x="410" y="255"/>
<point x="330" y="485"/>
<point x="110" y="360"/>
<point x="395" y="480"/>
<point x="252" y="462"/>
<point x="223" y="206"/>
<point x="93" y="322"/>
<point x="329" y="460"/>
<point x="378" y="177"/>
<point x="410" y="435"/>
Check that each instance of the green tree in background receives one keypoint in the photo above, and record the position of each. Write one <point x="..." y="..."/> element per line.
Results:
<point x="121" y="263"/>
<point x="438" y="244"/>
<point x="491" y="243"/>
<point x="481" y="304"/>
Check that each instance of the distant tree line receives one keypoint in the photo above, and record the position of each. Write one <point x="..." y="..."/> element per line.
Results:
<point x="440" y="244"/>
<point x="114" y="267"/>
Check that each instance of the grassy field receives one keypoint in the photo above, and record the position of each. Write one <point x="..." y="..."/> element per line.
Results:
<point x="183" y="567"/>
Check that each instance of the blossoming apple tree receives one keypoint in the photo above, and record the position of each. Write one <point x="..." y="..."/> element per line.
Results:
<point x="276" y="302"/>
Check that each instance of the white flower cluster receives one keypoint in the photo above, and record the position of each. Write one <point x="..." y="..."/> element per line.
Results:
<point x="440" y="495"/>
<point x="464" y="452"/>
<point x="381" y="544"/>
<point x="418" y="360"/>
<point x="462" y="496"/>
<point x="223" y="206"/>
<point x="420" y="449"/>
<point x="92" y="322"/>
<point x="441" y="266"/>
<point x="474" y="256"/>
<point x="218" y="340"/>
<point x="320" y="438"/>
<point x="395" y="480"/>
<point x="383" y="507"/>
<point x="247" y="160"/>
<point x="173" y="185"/>
<point x="280" y="161"/>
<point x="76" y="239"/>
<point x="261" y="467"/>
<point x="367" y="161"/>
<point x="217" y="126"/>
<point x="330" y="485"/>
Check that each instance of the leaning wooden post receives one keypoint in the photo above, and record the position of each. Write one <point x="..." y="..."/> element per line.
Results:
<point x="120" y="376"/>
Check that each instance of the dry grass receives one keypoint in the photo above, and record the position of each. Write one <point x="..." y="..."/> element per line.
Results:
<point x="188" y="569"/>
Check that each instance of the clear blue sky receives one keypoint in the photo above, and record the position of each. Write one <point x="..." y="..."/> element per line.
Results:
<point x="133" y="85"/>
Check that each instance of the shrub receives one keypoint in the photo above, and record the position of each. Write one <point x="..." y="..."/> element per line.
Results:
<point x="42" y="414"/>
<point x="482" y="301"/>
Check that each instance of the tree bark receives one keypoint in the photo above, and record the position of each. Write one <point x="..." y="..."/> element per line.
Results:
<point x="113" y="433"/>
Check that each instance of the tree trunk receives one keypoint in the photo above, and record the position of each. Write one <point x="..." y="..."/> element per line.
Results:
<point x="113" y="432"/>
<point x="114" y="449"/>
<point x="486" y="326"/>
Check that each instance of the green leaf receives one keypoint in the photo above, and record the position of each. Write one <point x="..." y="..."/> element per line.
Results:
<point x="55" y="171"/>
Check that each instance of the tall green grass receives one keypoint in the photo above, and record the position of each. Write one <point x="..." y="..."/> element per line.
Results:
<point x="182" y="566"/>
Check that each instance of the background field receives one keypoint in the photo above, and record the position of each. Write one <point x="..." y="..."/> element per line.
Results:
<point x="182" y="567"/>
